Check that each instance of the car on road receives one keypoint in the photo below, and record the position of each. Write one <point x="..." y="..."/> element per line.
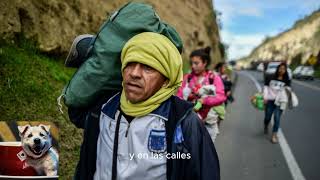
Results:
<point x="260" y="67"/>
<point x="271" y="70"/>
<point x="297" y="71"/>
<point x="304" y="72"/>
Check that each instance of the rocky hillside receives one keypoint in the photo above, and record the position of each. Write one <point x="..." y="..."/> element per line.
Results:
<point x="53" y="24"/>
<point x="295" y="45"/>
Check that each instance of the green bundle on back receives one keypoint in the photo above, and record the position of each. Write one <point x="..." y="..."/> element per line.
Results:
<point x="101" y="72"/>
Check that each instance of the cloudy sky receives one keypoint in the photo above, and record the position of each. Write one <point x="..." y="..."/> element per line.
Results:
<point x="245" y="23"/>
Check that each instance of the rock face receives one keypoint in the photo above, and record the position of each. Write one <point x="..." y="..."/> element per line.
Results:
<point x="53" y="24"/>
<point x="298" y="43"/>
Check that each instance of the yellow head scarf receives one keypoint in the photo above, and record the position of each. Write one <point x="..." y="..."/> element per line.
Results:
<point x="158" y="52"/>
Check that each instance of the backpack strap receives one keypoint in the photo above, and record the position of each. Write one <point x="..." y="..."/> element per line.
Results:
<point x="211" y="78"/>
<point x="115" y="148"/>
<point x="189" y="78"/>
<point x="170" y="126"/>
<point x="177" y="111"/>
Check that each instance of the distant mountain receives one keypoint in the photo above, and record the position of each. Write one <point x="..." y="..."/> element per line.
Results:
<point x="296" y="45"/>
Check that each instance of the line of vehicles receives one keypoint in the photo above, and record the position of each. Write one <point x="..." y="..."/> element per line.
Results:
<point x="304" y="72"/>
<point x="300" y="72"/>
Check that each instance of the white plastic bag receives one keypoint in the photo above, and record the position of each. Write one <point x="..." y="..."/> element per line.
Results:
<point x="294" y="99"/>
<point x="186" y="92"/>
<point x="211" y="123"/>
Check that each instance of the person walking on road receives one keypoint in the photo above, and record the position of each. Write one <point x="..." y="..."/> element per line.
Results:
<point x="221" y="70"/>
<point x="275" y="99"/>
<point x="204" y="88"/>
<point x="145" y="132"/>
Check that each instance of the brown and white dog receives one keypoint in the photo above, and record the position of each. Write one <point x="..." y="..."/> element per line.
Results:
<point x="37" y="144"/>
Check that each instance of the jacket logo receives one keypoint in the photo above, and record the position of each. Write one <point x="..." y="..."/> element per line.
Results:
<point x="157" y="141"/>
<point x="276" y="85"/>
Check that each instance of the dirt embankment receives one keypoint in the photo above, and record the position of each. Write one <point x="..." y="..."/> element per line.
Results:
<point x="54" y="23"/>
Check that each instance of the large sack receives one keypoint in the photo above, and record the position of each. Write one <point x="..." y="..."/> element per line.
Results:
<point x="101" y="72"/>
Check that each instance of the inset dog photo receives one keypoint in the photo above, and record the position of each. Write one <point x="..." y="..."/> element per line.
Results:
<point x="28" y="149"/>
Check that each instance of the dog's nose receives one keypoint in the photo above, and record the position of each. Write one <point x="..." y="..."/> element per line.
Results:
<point x="36" y="141"/>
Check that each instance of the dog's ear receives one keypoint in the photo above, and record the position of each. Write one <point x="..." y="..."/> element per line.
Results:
<point x="23" y="129"/>
<point x="45" y="127"/>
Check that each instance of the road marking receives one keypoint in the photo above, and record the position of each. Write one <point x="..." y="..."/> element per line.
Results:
<point x="307" y="85"/>
<point x="290" y="159"/>
<point x="253" y="80"/>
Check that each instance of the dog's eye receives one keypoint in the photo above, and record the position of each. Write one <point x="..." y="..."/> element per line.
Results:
<point x="30" y="135"/>
<point x="41" y="134"/>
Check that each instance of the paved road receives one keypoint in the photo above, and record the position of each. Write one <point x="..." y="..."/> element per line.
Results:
<point x="246" y="153"/>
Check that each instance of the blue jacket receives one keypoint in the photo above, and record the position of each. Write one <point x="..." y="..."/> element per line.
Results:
<point x="203" y="165"/>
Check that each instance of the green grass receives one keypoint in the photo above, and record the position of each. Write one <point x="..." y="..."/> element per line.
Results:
<point x="186" y="64"/>
<point x="30" y="83"/>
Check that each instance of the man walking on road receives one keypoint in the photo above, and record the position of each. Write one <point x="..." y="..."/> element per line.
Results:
<point x="145" y="132"/>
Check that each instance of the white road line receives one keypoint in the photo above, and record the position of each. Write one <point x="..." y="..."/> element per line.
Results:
<point x="307" y="85"/>
<point x="254" y="81"/>
<point x="290" y="159"/>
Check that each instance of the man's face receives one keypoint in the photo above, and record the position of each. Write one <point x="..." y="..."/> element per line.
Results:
<point x="141" y="81"/>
